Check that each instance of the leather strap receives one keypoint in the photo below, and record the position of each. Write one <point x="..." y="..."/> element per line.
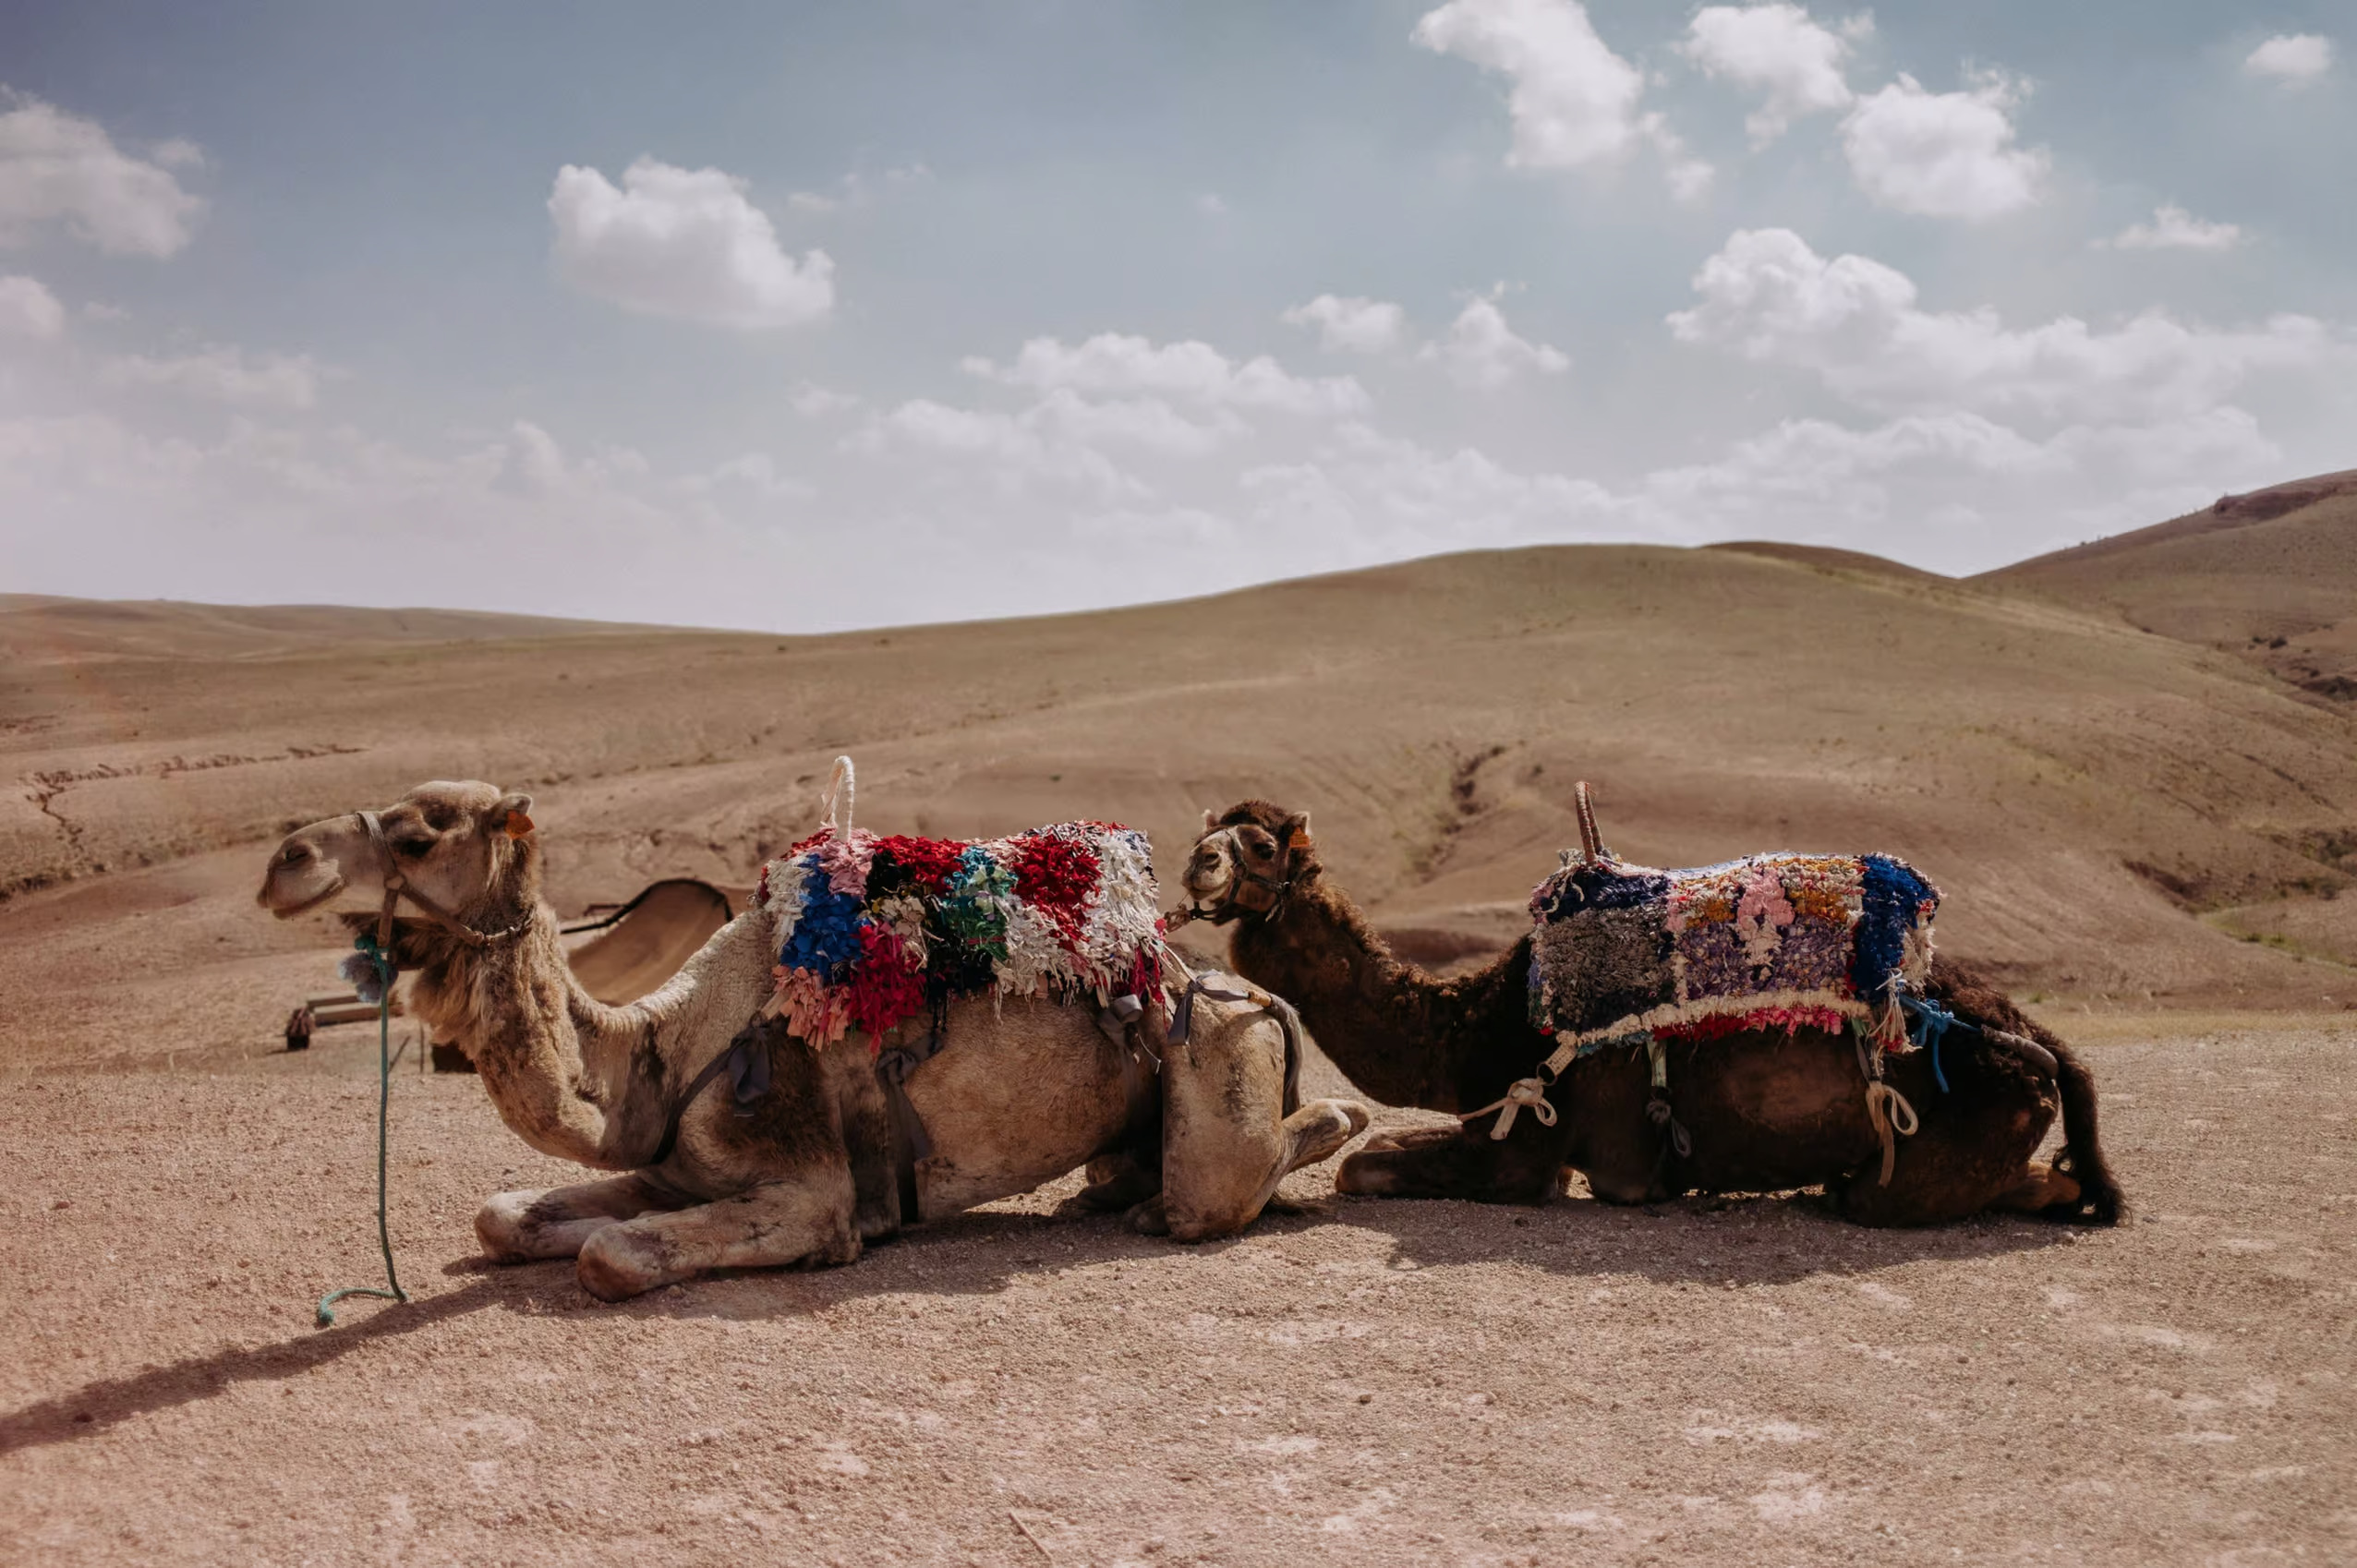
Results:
<point x="910" y="1141"/>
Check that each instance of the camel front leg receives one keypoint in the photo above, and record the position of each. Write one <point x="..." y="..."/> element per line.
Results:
<point x="518" y="1227"/>
<point x="806" y="1220"/>
<point x="1466" y="1163"/>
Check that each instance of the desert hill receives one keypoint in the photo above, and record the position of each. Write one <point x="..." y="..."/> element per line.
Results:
<point x="2097" y="802"/>
<point x="2271" y="574"/>
<point x="39" y="627"/>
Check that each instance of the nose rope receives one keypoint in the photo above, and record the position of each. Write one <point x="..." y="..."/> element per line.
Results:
<point x="381" y="961"/>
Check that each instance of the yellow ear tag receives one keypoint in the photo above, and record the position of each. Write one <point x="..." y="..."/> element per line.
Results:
<point x="518" y="824"/>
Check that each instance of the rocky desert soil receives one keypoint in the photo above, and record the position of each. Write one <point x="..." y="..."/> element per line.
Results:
<point x="1748" y="1381"/>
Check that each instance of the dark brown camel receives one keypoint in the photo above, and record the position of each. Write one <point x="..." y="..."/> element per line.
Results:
<point x="1764" y="1111"/>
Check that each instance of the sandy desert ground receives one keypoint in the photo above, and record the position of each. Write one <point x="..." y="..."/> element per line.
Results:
<point x="2149" y="828"/>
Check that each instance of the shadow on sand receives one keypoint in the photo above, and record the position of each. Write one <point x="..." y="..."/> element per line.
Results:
<point x="1766" y="1240"/>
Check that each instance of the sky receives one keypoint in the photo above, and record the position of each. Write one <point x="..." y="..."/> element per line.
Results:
<point x="810" y="318"/>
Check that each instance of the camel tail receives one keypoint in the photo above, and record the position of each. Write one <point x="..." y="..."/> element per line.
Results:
<point x="2098" y="1202"/>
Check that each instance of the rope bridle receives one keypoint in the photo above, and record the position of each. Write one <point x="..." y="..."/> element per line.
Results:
<point x="1240" y="873"/>
<point x="397" y="888"/>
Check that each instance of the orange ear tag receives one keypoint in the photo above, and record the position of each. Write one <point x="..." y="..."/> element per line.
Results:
<point x="518" y="824"/>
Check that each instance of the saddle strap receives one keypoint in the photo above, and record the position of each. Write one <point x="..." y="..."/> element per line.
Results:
<point x="910" y="1143"/>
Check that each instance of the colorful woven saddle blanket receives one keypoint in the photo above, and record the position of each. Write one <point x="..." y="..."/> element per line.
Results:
<point x="873" y="929"/>
<point x="1775" y="941"/>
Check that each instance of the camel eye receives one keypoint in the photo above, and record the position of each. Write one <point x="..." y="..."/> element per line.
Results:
<point x="413" y="848"/>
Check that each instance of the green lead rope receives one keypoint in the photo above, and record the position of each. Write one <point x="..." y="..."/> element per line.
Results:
<point x="382" y="963"/>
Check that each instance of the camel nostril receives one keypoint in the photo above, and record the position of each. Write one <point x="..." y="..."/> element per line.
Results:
<point x="294" y="854"/>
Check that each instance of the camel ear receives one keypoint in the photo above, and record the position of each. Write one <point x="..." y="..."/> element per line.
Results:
<point x="514" y="815"/>
<point x="1300" y="826"/>
<point x="1211" y="820"/>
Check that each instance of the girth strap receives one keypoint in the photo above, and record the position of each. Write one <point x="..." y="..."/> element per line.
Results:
<point x="910" y="1141"/>
<point x="746" y="1061"/>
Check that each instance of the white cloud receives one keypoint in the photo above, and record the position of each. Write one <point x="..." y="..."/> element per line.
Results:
<point x="1943" y="154"/>
<point x="1358" y="325"/>
<point x="1781" y="50"/>
<point x="224" y="375"/>
<point x="682" y="243"/>
<point x="1369" y="495"/>
<point x="2173" y="229"/>
<point x="1482" y="352"/>
<point x="1573" y="101"/>
<point x="60" y="168"/>
<point x="1115" y="362"/>
<point x="2293" y="59"/>
<point x="1856" y="323"/>
<point x="814" y="401"/>
<point x="28" y="309"/>
<point x="753" y="474"/>
<point x="1019" y="451"/>
<point x="858" y="189"/>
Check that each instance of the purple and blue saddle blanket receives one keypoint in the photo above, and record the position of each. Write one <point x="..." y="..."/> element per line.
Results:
<point x="1622" y="955"/>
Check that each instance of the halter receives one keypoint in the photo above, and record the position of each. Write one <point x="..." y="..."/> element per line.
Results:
<point x="1238" y="874"/>
<point x="396" y="888"/>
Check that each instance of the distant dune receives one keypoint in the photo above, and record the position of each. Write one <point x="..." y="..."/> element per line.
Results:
<point x="2271" y="575"/>
<point x="2110" y="811"/>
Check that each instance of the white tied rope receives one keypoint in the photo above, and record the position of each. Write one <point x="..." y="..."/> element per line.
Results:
<point x="840" y="786"/>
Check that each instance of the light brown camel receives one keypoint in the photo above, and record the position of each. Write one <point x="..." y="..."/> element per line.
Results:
<point x="1020" y="1094"/>
<point x="1765" y="1111"/>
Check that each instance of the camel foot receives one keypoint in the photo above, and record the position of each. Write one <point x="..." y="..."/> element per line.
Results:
<point x="1149" y="1218"/>
<point x="1116" y="1183"/>
<point x="2041" y="1188"/>
<point x="1322" y="1126"/>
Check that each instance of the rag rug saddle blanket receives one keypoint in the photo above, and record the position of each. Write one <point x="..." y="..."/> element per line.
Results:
<point x="1621" y="953"/>
<point x="871" y="930"/>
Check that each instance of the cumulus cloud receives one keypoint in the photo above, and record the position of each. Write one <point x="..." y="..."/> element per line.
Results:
<point x="1358" y="325"/>
<point x="1573" y="101"/>
<point x="1481" y="352"/>
<point x="29" y="310"/>
<point x="1019" y="452"/>
<point x="224" y="375"/>
<point x="2291" y="59"/>
<point x="58" y="168"/>
<point x="1780" y="50"/>
<point x="1943" y="154"/>
<point x="814" y="401"/>
<point x="682" y="243"/>
<point x="1115" y="362"/>
<point x="1378" y="495"/>
<point x="2173" y="229"/>
<point x="1856" y="323"/>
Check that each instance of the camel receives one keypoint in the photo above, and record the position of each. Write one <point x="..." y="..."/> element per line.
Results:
<point x="1020" y="1090"/>
<point x="1761" y="1111"/>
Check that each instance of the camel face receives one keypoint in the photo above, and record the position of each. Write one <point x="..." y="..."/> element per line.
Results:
<point x="1237" y="864"/>
<point x="443" y="840"/>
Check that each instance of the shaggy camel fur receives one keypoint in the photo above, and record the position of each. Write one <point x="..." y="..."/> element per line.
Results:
<point x="1764" y="1111"/>
<point x="1021" y="1093"/>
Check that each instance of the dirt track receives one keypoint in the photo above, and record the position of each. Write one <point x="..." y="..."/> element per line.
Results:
<point x="1395" y="1382"/>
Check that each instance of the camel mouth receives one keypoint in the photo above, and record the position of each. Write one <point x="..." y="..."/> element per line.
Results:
<point x="307" y="905"/>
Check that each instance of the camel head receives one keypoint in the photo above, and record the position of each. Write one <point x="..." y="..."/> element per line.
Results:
<point x="1248" y="858"/>
<point x="464" y="847"/>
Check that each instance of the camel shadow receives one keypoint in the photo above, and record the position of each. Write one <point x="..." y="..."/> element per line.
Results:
<point x="975" y="1253"/>
<point x="1727" y="1240"/>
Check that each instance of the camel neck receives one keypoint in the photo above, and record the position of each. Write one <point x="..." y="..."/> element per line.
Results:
<point x="555" y="1061"/>
<point x="1394" y="1030"/>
